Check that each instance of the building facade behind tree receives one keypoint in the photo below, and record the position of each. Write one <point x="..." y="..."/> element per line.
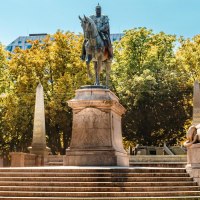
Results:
<point x="22" y="41"/>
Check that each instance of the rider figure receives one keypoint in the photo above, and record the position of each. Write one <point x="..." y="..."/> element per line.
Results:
<point x="102" y="23"/>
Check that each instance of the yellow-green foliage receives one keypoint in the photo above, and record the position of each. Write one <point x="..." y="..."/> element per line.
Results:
<point x="152" y="87"/>
<point x="55" y="62"/>
<point x="151" y="75"/>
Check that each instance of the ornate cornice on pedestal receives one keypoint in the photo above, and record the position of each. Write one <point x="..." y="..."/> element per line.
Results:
<point x="102" y="99"/>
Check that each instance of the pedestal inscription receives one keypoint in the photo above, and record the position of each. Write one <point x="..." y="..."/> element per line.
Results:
<point x="96" y="134"/>
<point x="91" y="127"/>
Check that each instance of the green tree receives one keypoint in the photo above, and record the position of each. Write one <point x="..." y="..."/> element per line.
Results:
<point x="188" y="58"/>
<point x="55" y="63"/>
<point x="146" y="79"/>
<point x="153" y="82"/>
<point x="4" y="86"/>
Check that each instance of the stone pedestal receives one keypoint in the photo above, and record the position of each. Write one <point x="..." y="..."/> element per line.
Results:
<point x="96" y="133"/>
<point x="193" y="161"/>
<point x="196" y="104"/>
<point x="193" y="155"/>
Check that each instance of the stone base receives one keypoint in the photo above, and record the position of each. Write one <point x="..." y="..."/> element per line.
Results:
<point x="20" y="159"/>
<point x="193" y="153"/>
<point x="95" y="158"/>
<point x="41" y="151"/>
<point x="193" y="162"/>
<point x="96" y="132"/>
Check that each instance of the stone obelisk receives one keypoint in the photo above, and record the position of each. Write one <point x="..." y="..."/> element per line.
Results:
<point x="38" y="146"/>
<point x="196" y="104"/>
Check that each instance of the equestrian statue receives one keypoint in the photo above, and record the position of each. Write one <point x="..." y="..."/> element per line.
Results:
<point x="97" y="45"/>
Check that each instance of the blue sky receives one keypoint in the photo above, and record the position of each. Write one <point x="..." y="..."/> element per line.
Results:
<point x="21" y="17"/>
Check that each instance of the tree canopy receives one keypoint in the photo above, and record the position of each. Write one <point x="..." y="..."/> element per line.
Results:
<point x="152" y="74"/>
<point x="151" y="87"/>
<point x="55" y="63"/>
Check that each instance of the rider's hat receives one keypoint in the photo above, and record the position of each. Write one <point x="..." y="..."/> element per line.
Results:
<point x="98" y="6"/>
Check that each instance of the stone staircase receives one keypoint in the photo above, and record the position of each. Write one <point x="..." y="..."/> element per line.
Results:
<point x="140" y="160"/>
<point x="177" y="150"/>
<point x="167" y="161"/>
<point x="55" y="160"/>
<point x="56" y="183"/>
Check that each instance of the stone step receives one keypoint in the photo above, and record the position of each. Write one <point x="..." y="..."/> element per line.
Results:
<point x="96" y="183"/>
<point x="93" y="169"/>
<point x="99" y="189"/>
<point x="177" y="150"/>
<point x="55" y="158"/>
<point x="99" y="194"/>
<point x="99" y="184"/>
<point x="107" y="174"/>
<point x="159" y="164"/>
<point x="158" y="158"/>
<point x="103" y="198"/>
<point x="60" y="163"/>
<point x="97" y="179"/>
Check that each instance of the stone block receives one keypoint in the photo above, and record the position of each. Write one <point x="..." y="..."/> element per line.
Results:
<point x="20" y="159"/>
<point x="17" y="159"/>
<point x="1" y="162"/>
<point x="142" y="152"/>
<point x="95" y="158"/>
<point x="193" y="153"/>
<point x="193" y="162"/>
<point x="159" y="151"/>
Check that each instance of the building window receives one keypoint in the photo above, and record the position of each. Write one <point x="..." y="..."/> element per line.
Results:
<point x="28" y="46"/>
<point x="9" y="48"/>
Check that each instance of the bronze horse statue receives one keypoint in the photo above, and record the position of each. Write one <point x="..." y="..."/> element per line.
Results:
<point x="95" y="50"/>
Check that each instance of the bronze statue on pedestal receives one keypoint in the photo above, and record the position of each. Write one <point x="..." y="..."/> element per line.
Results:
<point x="97" y="45"/>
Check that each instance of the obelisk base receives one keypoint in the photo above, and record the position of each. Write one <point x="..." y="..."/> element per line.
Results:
<point x="40" y="150"/>
<point x="96" y="133"/>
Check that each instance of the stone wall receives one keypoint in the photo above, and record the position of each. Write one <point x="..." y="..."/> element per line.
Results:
<point x="20" y="159"/>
